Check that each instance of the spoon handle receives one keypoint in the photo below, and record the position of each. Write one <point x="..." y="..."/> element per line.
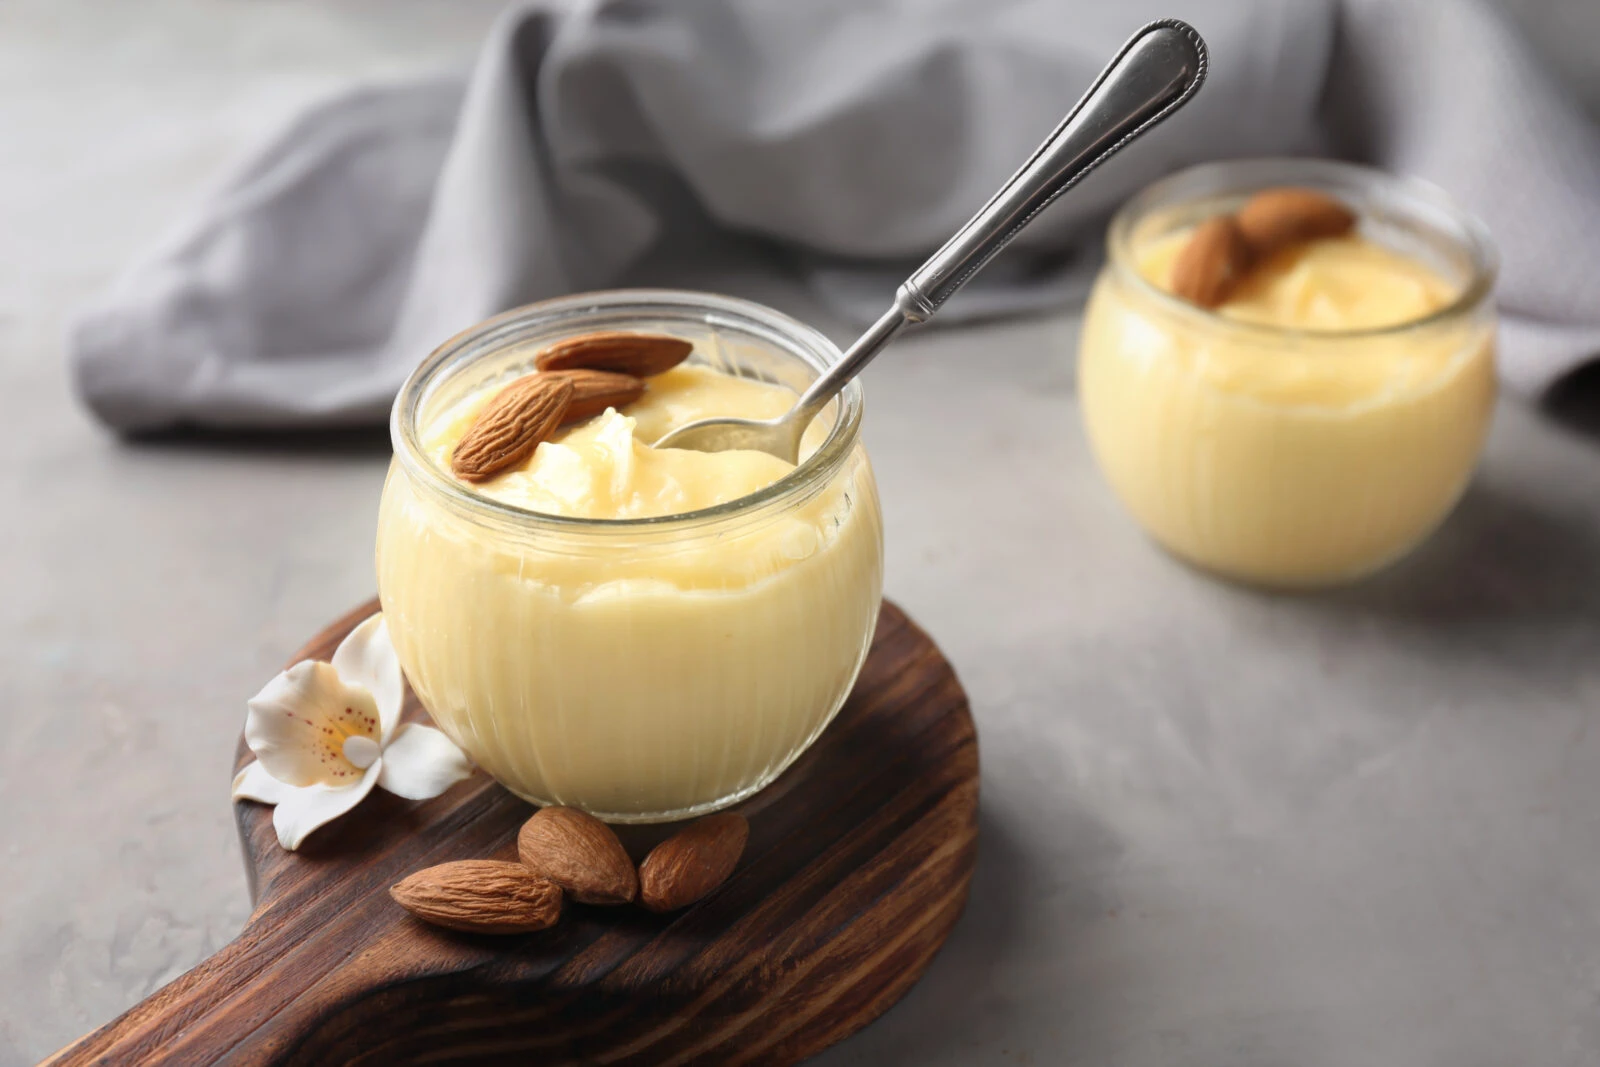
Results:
<point x="1156" y="73"/>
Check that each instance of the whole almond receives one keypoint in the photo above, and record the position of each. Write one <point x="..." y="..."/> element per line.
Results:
<point x="1276" y="218"/>
<point x="580" y="854"/>
<point x="511" y="426"/>
<point x="595" y="390"/>
<point x="481" y="897"/>
<point x="642" y="355"/>
<point x="1211" y="263"/>
<point x="692" y="862"/>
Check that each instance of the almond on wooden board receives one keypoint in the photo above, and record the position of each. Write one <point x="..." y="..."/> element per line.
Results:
<point x="1212" y="262"/>
<point x="481" y="897"/>
<point x="595" y="390"/>
<point x="580" y="854"/>
<point x="691" y="863"/>
<point x="642" y="355"/>
<point x="1276" y="218"/>
<point x="511" y="426"/>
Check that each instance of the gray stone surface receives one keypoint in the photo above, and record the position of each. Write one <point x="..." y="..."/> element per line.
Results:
<point x="1219" y="827"/>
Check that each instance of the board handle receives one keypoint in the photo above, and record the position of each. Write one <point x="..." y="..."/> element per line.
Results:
<point x="194" y="1018"/>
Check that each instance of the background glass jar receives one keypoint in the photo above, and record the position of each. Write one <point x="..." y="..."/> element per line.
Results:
<point x="1280" y="456"/>
<point x="642" y="669"/>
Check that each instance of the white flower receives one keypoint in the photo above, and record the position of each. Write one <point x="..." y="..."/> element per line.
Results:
<point x="324" y="734"/>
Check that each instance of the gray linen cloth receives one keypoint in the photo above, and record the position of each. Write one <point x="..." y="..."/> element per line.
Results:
<point x="827" y="145"/>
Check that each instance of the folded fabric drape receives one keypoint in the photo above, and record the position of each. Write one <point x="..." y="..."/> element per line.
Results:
<point x="826" y="147"/>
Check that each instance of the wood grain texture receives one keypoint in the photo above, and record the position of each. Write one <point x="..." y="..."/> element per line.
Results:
<point x="857" y="868"/>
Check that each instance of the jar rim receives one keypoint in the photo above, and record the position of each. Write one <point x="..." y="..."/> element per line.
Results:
<point x="795" y="339"/>
<point x="1220" y="180"/>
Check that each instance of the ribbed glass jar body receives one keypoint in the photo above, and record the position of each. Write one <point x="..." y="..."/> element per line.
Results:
<point x="644" y="669"/>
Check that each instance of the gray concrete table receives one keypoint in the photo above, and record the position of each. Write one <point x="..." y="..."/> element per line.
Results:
<point x="1219" y="827"/>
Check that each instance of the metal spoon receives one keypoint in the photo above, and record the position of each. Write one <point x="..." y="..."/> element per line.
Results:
<point x="1156" y="73"/>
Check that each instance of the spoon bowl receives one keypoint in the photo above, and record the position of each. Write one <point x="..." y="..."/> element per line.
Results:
<point x="779" y="437"/>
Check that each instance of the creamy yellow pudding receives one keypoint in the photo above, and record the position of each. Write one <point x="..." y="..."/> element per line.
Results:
<point x="604" y="467"/>
<point x="1317" y="424"/>
<point x="589" y="640"/>
<point x="1338" y="285"/>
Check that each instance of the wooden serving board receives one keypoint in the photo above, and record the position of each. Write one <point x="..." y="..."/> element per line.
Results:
<point x="857" y="869"/>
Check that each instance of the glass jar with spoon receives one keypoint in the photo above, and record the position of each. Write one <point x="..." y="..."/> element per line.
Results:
<point x="647" y="606"/>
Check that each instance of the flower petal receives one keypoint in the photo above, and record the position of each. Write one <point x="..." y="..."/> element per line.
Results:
<point x="420" y="763"/>
<point x="254" y="783"/>
<point x="366" y="659"/>
<point x="303" y="810"/>
<point x="298" y="723"/>
<point x="361" y="751"/>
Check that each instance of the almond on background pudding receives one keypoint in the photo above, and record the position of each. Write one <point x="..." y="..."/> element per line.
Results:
<point x="1290" y="386"/>
<point x="642" y="633"/>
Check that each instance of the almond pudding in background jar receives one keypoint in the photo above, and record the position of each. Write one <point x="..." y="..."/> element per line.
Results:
<point x="645" y="634"/>
<point x="1324" y="413"/>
